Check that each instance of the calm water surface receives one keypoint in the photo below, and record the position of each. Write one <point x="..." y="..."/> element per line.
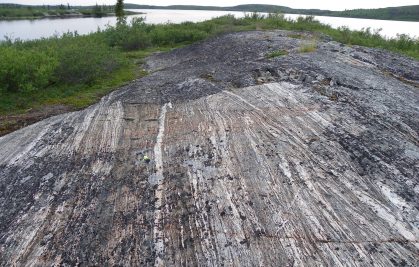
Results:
<point x="34" y="29"/>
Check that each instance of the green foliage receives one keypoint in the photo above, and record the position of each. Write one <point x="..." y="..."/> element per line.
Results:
<point x="119" y="12"/>
<point x="254" y="16"/>
<point x="277" y="53"/>
<point x="71" y="59"/>
<point x="296" y="36"/>
<point x="83" y="61"/>
<point x="23" y="70"/>
<point x="129" y="37"/>
<point x="170" y="34"/>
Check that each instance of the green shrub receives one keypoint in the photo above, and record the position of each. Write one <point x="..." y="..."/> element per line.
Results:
<point x="254" y="16"/>
<point x="129" y="37"/>
<point x="175" y="34"/>
<point x="138" y="39"/>
<point x="345" y="34"/>
<point x="404" y="42"/>
<point x="25" y="70"/>
<point x="84" y="60"/>
<point x="225" y="20"/>
<point x="136" y="36"/>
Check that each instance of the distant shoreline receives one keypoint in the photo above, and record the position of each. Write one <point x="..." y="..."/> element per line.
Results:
<point x="285" y="13"/>
<point x="19" y="12"/>
<point x="67" y="16"/>
<point x="401" y="13"/>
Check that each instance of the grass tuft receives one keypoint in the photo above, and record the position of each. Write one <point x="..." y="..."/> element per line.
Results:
<point x="278" y="53"/>
<point x="296" y="36"/>
<point x="308" y="47"/>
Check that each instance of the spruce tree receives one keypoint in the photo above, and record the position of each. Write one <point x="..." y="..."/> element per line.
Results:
<point x="119" y="12"/>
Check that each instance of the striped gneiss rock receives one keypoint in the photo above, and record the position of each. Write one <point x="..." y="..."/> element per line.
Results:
<point x="317" y="165"/>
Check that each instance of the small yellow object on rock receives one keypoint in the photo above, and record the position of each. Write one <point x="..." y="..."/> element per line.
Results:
<point x="146" y="158"/>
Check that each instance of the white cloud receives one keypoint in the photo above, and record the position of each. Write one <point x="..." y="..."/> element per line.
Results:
<point x="320" y="4"/>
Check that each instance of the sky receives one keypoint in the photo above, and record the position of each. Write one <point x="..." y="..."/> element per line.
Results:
<point x="319" y="4"/>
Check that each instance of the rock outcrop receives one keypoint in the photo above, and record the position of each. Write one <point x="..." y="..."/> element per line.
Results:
<point x="307" y="159"/>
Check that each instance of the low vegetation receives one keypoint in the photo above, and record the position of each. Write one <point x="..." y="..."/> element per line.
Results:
<point x="76" y="70"/>
<point x="278" y="53"/>
<point x="308" y="47"/>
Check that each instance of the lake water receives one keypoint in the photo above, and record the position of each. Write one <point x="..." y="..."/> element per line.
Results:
<point x="34" y="29"/>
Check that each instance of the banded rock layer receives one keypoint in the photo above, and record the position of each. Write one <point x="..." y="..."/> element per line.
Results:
<point x="302" y="160"/>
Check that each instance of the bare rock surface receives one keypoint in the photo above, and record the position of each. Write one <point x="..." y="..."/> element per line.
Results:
<point x="309" y="159"/>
